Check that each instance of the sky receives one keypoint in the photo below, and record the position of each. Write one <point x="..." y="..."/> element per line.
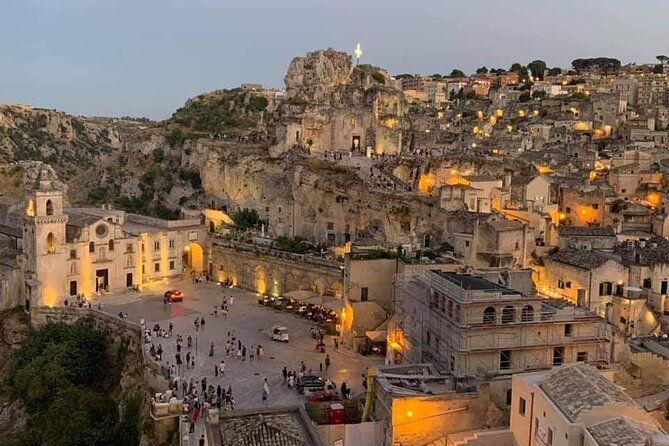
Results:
<point x="145" y="58"/>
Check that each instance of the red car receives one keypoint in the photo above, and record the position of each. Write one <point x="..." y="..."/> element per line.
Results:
<point x="174" y="296"/>
<point x="325" y="396"/>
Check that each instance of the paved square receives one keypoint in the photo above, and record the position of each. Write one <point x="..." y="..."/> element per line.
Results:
<point x="251" y="323"/>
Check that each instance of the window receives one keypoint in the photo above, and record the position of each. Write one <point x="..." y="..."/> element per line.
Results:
<point x="567" y="329"/>
<point x="111" y="244"/>
<point x="156" y="267"/>
<point x="527" y="313"/>
<point x="509" y="397"/>
<point x="428" y="337"/>
<point x="517" y="246"/>
<point x="582" y="357"/>
<point x="647" y="282"/>
<point x="73" y="253"/>
<point x="143" y="269"/>
<point x="560" y="284"/>
<point x="508" y="315"/>
<point x="171" y="265"/>
<point x="505" y="360"/>
<point x="595" y="206"/>
<point x="364" y="293"/>
<point x="50" y="243"/>
<point x="156" y="245"/>
<point x="558" y="356"/>
<point x="171" y="242"/>
<point x="450" y="308"/>
<point x="466" y="243"/>
<point x="128" y="247"/>
<point x="623" y="191"/>
<point x="605" y="288"/>
<point x="663" y="287"/>
<point x="49" y="207"/>
<point x="489" y="316"/>
<point x="550" y="436"/>
<point x="568" y="210"/>
<point x="91" y="247"/>
<point x="521" y="406"/>
<point x="101" y="230"/>
<point x="330" y="226"/>
<point x="452" y="363"/>
<point x="73" y="288"/>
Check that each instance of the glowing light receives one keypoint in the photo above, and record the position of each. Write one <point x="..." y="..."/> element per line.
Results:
<point x="30" y="209"/>
<point x="521" y="113"/>
<point x="409" y="413"/>
<point x="499" y="112"/>
<point x="358" y="51"/>
<point x="535" y="112"/>
<point x="343" y="313"/>
<point x="654" y="199"/>
<point x="509" y="128"/>
<point x="453" y="171"/>
<point x="544" y="169"/>
<point x="562" y="215"/>
<point x="581" y="126"/>
<point x="479" y="114"/>
<point x="583" y="212"/>
<point x="426" y="183"/>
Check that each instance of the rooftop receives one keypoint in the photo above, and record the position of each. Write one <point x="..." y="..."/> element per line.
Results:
<point x="470" y="282"/>
<point x="578" y="387"/>
<point x="586" y="231"/>
<point x="579" y="258"/>
<point x="622" y="431"/>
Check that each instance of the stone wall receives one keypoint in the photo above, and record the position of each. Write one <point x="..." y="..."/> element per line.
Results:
<point x="11" y="287"/>
<point x="275" y="272"/>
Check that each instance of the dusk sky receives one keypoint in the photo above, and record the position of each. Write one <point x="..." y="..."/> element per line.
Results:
<point x="146" y="57"/>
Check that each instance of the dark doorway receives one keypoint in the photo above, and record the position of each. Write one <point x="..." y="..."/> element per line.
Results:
<point x="331" y="239"/>
<point x="73" y="287"/>
<point x="212" y="226"/>
<point x="101" y="280"/>
<point x="355" y="143"/>
<point x="128" y="280"/>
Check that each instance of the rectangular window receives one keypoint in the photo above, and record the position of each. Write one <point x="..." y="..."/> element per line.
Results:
<point x="568" y="210"/>
<point x="505" y="360"/>
<point x="582" y="357"/>
<point x="428" y="337"/>
<point x="156" y="246"/>
<point x="567" y="329"/>
<point x="73" y="253"/>
<point x="558" y="356"/>
<point x="647" y="283"/>
<point x="143" y="269"/>
<point x="330" y="226"/>
<point x="128" y="247"/>
<point x="605" y="288"/>
<point x="171" y="265"/>
<point x="567" y="284"/>
<point x="364" y="293"/>
<point x="595" y="206"/>
<point x="560" y="284"/>
<point x="466" y="243"/>
<point x="521" y="406"/>
<point x="663" y="287"/>
<point x="156" y="267"/>
<point x="550" y="436"/>
<point x="171" y="243"/>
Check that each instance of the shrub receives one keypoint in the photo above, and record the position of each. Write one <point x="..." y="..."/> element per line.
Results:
<point x="246" y="219"/>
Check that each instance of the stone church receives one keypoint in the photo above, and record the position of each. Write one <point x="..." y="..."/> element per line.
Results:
<point x="70" y="252"/>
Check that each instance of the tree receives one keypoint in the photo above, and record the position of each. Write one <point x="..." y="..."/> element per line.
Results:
<point x="537" y="68"/>
<point x="525" y="97"/>
<point x="457" y="73"/>
<point x="555" y="71"/>
<point x="539" y="94"/>
<point x="604" y="65"/>
<point x="658" y="68"/>
<point x="246" y="219"/>
<point x="662" y="58"/>
<point x="482" y="70"/>
<point x="516" y="68"/>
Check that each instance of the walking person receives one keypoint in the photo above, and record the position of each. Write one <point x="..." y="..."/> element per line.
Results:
<point x="284" y="372"/>
<point x="327" y="362"/>
<point x="265" y="391"/>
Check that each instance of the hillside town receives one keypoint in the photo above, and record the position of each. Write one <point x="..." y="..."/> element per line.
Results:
<point x="449" y="259"/>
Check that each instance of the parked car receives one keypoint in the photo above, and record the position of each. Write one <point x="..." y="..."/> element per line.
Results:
<point x="174" y="295"/>
<point x="310" y="384"/>
<point x="325" y="396"/>
<point x="279" y="333"/>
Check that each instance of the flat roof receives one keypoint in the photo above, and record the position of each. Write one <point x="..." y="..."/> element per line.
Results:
<point x="470" y="282"/>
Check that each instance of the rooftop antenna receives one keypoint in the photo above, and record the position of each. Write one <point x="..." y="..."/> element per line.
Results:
<point x="358" y="53"/>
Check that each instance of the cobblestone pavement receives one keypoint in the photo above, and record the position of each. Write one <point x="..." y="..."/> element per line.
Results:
<point x="251" y="323"/>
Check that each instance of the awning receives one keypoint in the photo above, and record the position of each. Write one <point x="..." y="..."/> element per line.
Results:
<point x="377" y="335"/>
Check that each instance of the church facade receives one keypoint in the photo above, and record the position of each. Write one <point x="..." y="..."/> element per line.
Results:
<point x="81" y="252"/>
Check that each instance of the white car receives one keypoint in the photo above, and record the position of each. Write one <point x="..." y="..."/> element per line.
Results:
<point x="280" y="334"/>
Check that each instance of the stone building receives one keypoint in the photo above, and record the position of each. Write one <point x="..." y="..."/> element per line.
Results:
<point x="72" y="252"/>
<point x="474" y="327"/>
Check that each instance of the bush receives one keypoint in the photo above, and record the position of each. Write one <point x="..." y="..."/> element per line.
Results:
<point x="158" y="155"/>
<point x="246" y="219"/>
<point x="257" y="103"/>
<point x="379" y="77"/>
<point x="298" y="245"/>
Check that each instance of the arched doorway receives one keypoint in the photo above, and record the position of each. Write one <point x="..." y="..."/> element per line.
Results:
<point x="260" y="279"/>
<point x="193" y="257"/>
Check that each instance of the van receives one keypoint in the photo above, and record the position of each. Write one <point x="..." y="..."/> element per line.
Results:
<point x="280" y="334"/>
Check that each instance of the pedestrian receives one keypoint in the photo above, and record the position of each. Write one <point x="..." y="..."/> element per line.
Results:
<point x="336" y="342"/>
<point x="303" y="367"/>
<point x="284" y="372"/>
<point x="201" y="440"/>
<point x="265" y="391"/>
<point x="344" y="390"/>
<point x="171" y="328"/>
<point x="221" y="368"/>
<point x="327" y="361"/>
<point x="211" y="349"/>
<point x="191" y="427"/>
<point x="320" y="367"/>
<point x="239" y="355"/>
<point x="202" y="323"/>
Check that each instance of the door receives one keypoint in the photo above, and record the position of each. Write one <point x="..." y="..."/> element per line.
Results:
<point x="128" y="280"/>
<point x="355" y="143"/>
<point x="101" y="280"/>
<point x="580" y="297"/>
<point x="73" y="288"/>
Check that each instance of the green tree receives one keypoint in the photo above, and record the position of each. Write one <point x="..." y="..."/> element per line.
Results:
<point x="482" y="70"/>
<point x="246" y="219"/>
<point x="537" y="68"/>
<point x="457" y="73"/>
<point x="158" y="155"/>
<point x="555" y="71"/>
<point x="662" y="58"/>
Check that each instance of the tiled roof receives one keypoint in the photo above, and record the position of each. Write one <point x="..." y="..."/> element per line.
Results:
<point x="263" y="430"/>
<point x="655" y="251"/>
<point x="586" y="231"/>
<point x="621" y="431"/>
<point x="506" y="225"/>
<point x="578" y="387"/>
<point x="579" y="258"/>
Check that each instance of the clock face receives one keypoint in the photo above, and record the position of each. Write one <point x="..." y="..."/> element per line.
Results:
<point x="101" y="230"/>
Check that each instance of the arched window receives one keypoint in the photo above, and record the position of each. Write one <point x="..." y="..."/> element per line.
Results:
<point x="111" y="244"/>
<point x="91" y="247"/>
<point x="489" y="316"/>
<point x="508" y="315"/>
<point x="527" y="313"/>
<point x="49" y="207"/>
<point x="50" y="243"/>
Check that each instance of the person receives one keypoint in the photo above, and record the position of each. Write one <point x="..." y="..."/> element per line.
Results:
<point x="221" y="368"/>
<point x="201" y="440"/>
<point x="284" y="372"/>
<point x="336" y="342"/>
<point x="265" y="391"/>
<point x="344" y="390"/>
<point x="211" y="349"/>
<point x="202" y="323"/>
<point x="327" y="362"/>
